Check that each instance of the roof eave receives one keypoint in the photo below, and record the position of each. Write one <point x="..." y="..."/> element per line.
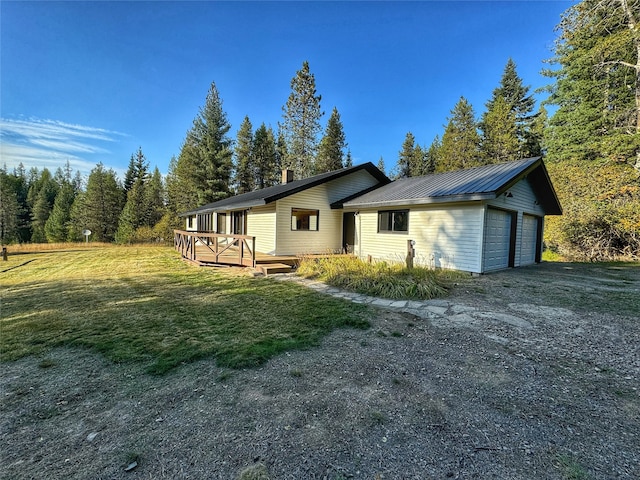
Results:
<point x="474" y="197"/>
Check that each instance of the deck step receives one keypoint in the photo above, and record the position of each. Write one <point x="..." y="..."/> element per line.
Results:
<point x="269" y="268"/>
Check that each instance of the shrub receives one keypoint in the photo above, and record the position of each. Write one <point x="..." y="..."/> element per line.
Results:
<point x="379" y="279"/>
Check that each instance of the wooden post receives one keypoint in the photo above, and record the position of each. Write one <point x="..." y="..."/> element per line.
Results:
<point x="410" y="253"/>
<point x="4" y="254"/>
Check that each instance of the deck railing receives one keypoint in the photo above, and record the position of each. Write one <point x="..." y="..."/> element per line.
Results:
<point x="206" y="247"/>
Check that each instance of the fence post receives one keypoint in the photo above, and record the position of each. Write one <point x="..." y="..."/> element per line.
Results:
<point x="4" y="254"/>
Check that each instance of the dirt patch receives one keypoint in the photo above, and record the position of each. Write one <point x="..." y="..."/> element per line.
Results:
<point x="546" y="387"/>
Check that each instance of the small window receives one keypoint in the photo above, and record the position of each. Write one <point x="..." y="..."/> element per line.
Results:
<point x="189" y="222"/>
<point x="303" y="219"/>
<point x="393" y="221"/>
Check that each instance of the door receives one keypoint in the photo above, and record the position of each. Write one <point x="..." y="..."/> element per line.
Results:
<point x="529" y="244"/>
<point x="348" y="231"/>
<point x="498" y="245"/>
<point x="239" y="223"/>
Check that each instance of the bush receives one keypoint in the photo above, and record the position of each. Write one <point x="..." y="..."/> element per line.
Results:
<point x="378" y="279"/>
<point x="601" y="218"/>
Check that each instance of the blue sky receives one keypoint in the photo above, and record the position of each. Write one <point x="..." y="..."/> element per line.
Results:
<point x="91" y="82"/>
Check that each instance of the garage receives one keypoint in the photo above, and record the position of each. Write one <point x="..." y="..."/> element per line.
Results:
<point x="497" y="240"/>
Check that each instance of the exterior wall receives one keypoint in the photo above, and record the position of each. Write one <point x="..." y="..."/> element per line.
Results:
<point x="522" y="201"/>
<point x="328" y="237"/>
<point x="261" y="223"/>
<point x="445" y="237"/>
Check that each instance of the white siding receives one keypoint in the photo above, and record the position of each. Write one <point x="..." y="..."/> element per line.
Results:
<point x="261" y="223"/>
<point x="328" y="237"/>
<point x="523" y="201"/>
<point x="445" y="237"/>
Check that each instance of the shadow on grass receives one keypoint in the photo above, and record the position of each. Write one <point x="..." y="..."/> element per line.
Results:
<point x="163" y="321"/>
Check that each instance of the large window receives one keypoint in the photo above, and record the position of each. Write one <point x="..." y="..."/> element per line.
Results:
<point x="391" y="221"/>
<point x="303" y="219"/>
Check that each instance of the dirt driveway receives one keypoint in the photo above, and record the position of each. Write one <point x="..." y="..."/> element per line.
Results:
<point x="523" y="374"/>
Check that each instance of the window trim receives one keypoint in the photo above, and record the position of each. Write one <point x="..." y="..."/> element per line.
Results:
<point x="392" y="221"/>
<point x="317" y="215"/>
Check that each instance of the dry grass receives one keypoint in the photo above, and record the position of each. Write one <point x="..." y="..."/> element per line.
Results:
<point x="380" y="279"/>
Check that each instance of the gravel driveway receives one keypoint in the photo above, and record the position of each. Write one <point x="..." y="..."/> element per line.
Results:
<point x="522" y="374"/>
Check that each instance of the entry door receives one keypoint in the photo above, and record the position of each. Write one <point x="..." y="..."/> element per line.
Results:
<point x="239" y="223"/>
<point x="348" y="231"/>
<point x="497" y="240"/>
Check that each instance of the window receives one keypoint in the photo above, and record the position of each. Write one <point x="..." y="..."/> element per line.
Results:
<point x="189" y="222"/>
<point x="393" y="221"/>
<point x="303" y="219"/>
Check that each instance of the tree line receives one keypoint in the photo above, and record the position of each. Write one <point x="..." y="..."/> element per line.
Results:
<point x="591" y="145"/>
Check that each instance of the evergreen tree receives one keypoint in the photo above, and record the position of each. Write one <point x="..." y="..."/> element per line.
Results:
<point x="381" y="165"/>
<point x="597" y="83"/>
<point x="41" y="197"/>
<point x="332" y="145"/>
<point x="432" y="156"/>
<point x="57" y="226"/>
<point x="267" y="171"/>
<point x="406" y="156"/>
<point x="301" y="123"/>
<point x="78" y="218"/>
<point x="281" y="151"/>
<point x="155" y="198"/>
<point x="418" y="162"/>
<point x="102" y="204"/>
<point x="9" y="207"/>
<point x="203" y="169"/>
<point x="130" y="175"/>
<point x="499" y="133"/>
<point x="244" y="178"/>
<point x="506" y="125"/>
<point x="460" y="143"/>
<point x="348" y="162"/>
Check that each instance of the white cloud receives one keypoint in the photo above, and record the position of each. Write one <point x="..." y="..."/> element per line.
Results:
<point x="51" y="143"/>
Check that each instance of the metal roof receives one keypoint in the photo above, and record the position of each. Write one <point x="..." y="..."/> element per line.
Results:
<point x="271" y="194"/>
<point x="478" y="183"/>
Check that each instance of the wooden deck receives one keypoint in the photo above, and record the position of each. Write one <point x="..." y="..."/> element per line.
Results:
<point x="210" y="249"/>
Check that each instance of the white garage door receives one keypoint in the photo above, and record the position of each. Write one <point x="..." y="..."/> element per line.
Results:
<point x="529" y="240"/>
<point x="497" y="240"/>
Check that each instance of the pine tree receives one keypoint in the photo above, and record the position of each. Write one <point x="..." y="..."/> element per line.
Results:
<point x="57" y="226"/>
<point x="102" y="204"/>
<point x="432" y="156"/>
<point x="348" y="162"/>
<point x="41" y="197"/>
<point x="460" y="143"/>
<point x="499" y="133"/>
<point x="406" y="156"/>
<point x="508" y="120"/>
<point x="597" y="83"/>
<point x="301" y="123"/>
<point x="8" y="207"/>
<point x="203" y="169"/>
<point x="267" y="171"/>
<point x="155" y="198"/>
<point x="381" y="165"/>
<point x="244" y="178"/>
<point x="418" y="162"/>
<point x="331" y="150"/>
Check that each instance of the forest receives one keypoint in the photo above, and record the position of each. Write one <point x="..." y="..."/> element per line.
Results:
<point x="587" y="129"/>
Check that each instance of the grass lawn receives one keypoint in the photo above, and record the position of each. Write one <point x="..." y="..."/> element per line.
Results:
<point x="143" y="304"/>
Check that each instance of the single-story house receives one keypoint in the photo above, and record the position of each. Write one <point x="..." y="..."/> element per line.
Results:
<point x="476" y="220"/>
<point x="295" y="217"/>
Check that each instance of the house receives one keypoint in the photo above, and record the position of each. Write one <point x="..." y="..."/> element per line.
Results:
<point x="476" y="220"/>
<point x="295" y="217"/>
